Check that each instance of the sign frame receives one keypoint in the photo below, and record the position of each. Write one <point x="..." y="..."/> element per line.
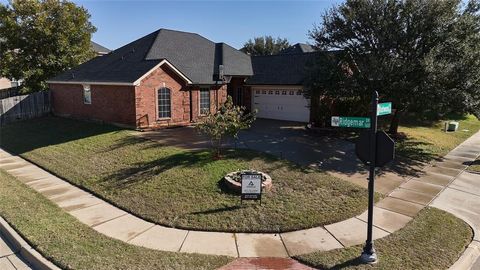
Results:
<point x="253" y="193"/>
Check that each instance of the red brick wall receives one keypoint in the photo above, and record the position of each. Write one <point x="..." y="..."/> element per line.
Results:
<point x="113" y="104"/>
<point x="218" y="96"/>
<point x="136" y="106"/>
<point x="146" y="99"/>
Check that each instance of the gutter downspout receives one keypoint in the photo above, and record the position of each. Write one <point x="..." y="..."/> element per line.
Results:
<point x="191" y="106"/>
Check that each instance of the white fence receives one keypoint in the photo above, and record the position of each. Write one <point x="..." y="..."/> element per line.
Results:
<point x="24" y="107"/>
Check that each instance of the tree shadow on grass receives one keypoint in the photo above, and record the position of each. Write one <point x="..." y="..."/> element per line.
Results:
<point x="142" y="172"/>
<point x="217" y="210"/>
<point x="350" y="263"/>
<point x="410" y="157"/>
<point x="25" y="136"/>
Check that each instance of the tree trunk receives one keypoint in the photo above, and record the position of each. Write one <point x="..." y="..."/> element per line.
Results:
<point x="393" y="130"/>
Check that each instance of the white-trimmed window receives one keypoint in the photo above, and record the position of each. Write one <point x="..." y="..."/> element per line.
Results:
<point x="164" y="103"/>
<point x="204" y="101"/>
<point x="87" y="94"/>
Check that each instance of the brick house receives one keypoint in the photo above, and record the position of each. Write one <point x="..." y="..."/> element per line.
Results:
<point x="173" y="78"/>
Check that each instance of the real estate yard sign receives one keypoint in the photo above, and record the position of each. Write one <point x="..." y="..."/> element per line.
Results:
<point x="251" y="186"/>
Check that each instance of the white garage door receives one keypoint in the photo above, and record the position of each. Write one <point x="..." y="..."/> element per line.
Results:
<point x="280" y="104"/>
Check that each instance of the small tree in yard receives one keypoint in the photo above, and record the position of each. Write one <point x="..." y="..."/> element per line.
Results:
<point x="227" y="122"/>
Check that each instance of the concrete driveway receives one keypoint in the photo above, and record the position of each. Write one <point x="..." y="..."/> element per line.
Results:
<point x="287" y="140"/>
<point x="292" y="141"/>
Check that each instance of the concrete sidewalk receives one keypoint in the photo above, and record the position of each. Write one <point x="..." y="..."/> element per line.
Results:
<point x="10" y="259"/>
<point x="462" y="198"/>
<point x="391" y="214"/>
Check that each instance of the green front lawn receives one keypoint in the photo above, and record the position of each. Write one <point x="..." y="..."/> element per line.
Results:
<point x="428" y="141"/>
<point x="72" y="245"/>
<point x="433" y="240"/>
<point x="178" y="188"/>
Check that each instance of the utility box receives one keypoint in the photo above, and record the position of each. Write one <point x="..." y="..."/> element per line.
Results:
<point x="452" y="126"/>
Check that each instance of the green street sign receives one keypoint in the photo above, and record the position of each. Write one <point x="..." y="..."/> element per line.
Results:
<point x="350" y="122"/>
<point x="384" y="108"/>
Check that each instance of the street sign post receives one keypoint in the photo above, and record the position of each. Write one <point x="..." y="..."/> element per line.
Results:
<point x="375" y="149"/>
<point x="350" y="122"/>
<point x="251" y="187"/>
<point x="369" y="255"/>
<point x="384" y="108"/>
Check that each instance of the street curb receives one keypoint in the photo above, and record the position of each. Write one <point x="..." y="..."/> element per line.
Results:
<point x="33" y="257"/>
<point x="468" y="258"/>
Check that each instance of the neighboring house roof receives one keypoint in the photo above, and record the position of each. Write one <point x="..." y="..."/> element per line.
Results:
<point x="99" y="49"/>
<point x="298" y="48"/>
<point x="193" y="57"/>
<point x="280" y="69"/>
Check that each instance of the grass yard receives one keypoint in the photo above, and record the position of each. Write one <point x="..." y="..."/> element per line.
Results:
<point x="428" y="141"/>
<point x="178" y="188"/>
<point x="433" y="240"/>
<point x="72" y="245"/>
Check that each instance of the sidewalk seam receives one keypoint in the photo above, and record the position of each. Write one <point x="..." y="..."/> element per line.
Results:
<point x="284" y="246"/>
<point x="183" y="242"/>
<point x="105" y="221"/>
<point x="135" y="236"/>
<point x="473" y="194"/>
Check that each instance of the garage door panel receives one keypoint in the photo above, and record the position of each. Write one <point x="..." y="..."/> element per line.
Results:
<point x="281" y="107"/>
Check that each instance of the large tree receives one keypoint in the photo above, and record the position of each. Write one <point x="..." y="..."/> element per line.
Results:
<point x="423" y="55"/>
<point x="266" y="45"/>
<point x="41" y="38"/>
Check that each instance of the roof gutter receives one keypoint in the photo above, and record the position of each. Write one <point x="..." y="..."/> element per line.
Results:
<point x="135" y="83"/>
<point x="92" y="83"/>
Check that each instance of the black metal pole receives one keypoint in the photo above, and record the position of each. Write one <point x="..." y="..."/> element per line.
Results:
<point x="369" y="255"/>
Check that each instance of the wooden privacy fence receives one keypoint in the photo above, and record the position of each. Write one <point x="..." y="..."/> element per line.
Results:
<point x="9" y="92"/>
<point x="24" y="107"/>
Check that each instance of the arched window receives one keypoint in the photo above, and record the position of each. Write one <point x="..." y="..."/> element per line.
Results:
<point x="164" y="103"/>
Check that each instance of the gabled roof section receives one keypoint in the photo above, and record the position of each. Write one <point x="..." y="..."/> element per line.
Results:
<point x="123" y="65"/>
<point x="193" y="57"/>
<point x="298" y="48"/>
<point x="197" y="57"/>
<point x="99" y="48"/>
<point x="235" y="62"/>
<point x="280" y="69"/>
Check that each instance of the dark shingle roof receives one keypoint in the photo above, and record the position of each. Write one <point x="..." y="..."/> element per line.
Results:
<point x="298" y="48"/>
<point x="280" y="69"/>
<point x="123" y="65"/>
<point x="99" y="48"/>
<point x="193" y="55"/>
